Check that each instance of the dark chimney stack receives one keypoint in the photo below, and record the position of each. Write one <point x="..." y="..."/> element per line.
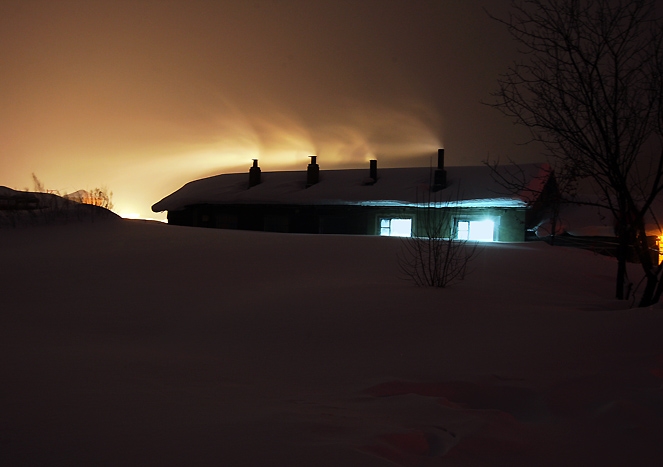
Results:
<point x="440" y="175"/>
<point x="254" y="174"/>
<point x="373" y="169"/>
<point x="312" y="172"/>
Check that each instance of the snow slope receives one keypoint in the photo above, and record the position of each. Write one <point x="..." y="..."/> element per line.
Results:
<point x="137" y="343"/>
<point x="48" y="208"/>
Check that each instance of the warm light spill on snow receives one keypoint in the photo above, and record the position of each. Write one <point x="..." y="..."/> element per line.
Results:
<point x="129" y="215"/>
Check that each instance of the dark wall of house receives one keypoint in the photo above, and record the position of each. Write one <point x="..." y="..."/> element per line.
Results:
<point x="546" y="204"/>
<point x="509" y="223"/>
<point x="353" y="220"/>
<point x="278" y="218"/>
<point x="512" y="224"/>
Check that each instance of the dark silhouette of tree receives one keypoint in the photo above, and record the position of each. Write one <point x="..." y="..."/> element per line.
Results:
<point x="38" y="184"/>
<point x="434" y="257"/>
<point x="589" y="87"/>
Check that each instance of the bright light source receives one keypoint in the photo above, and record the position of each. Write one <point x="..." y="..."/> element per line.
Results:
<point x="463" y="230"/>
<point x="401" y="227"/>
<point x="482" y="231"/>
<point x="396" y="227"/>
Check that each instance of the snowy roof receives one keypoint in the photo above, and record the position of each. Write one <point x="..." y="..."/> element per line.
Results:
<point x="466" y="186"/>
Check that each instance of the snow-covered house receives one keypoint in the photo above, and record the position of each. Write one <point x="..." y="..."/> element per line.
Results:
<point x="464" y="202"/>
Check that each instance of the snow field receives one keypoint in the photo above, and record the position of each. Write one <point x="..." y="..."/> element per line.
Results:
<point x="134" y="343"/>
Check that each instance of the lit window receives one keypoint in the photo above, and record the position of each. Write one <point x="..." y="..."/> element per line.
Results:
<point x="463" y="230"/>
<point x="476" y="230"/>
<point x="396" y="227"/>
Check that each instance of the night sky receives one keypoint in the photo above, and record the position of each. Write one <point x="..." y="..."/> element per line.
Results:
<point x="142" y="96"/>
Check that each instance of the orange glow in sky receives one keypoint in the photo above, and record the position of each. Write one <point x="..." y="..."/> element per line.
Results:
<point x="144" y="96"/>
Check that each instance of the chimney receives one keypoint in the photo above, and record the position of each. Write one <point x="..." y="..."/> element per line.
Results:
<point x="312" y="172"/>
<point x="440" y="175"/>
<point x="373" y="170"/>
<point x="254" y="174"/>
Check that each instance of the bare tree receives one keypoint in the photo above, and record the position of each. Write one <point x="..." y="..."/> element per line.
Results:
<point x="434" y="258"/>
<point x="589" y="87"/>
<point x="37" y="184"/>
<point x="100" y="197"/>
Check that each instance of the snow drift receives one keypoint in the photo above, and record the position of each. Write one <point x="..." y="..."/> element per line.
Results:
<point x="138" y="343"/>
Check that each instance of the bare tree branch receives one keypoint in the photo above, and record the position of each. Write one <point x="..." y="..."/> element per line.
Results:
<point x="436" y="258"/>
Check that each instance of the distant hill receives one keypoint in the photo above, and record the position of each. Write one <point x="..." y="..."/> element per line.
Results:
<point x="25" y="208"/>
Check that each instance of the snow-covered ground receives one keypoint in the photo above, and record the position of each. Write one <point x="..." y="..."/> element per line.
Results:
<point x="137" y="343"/>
